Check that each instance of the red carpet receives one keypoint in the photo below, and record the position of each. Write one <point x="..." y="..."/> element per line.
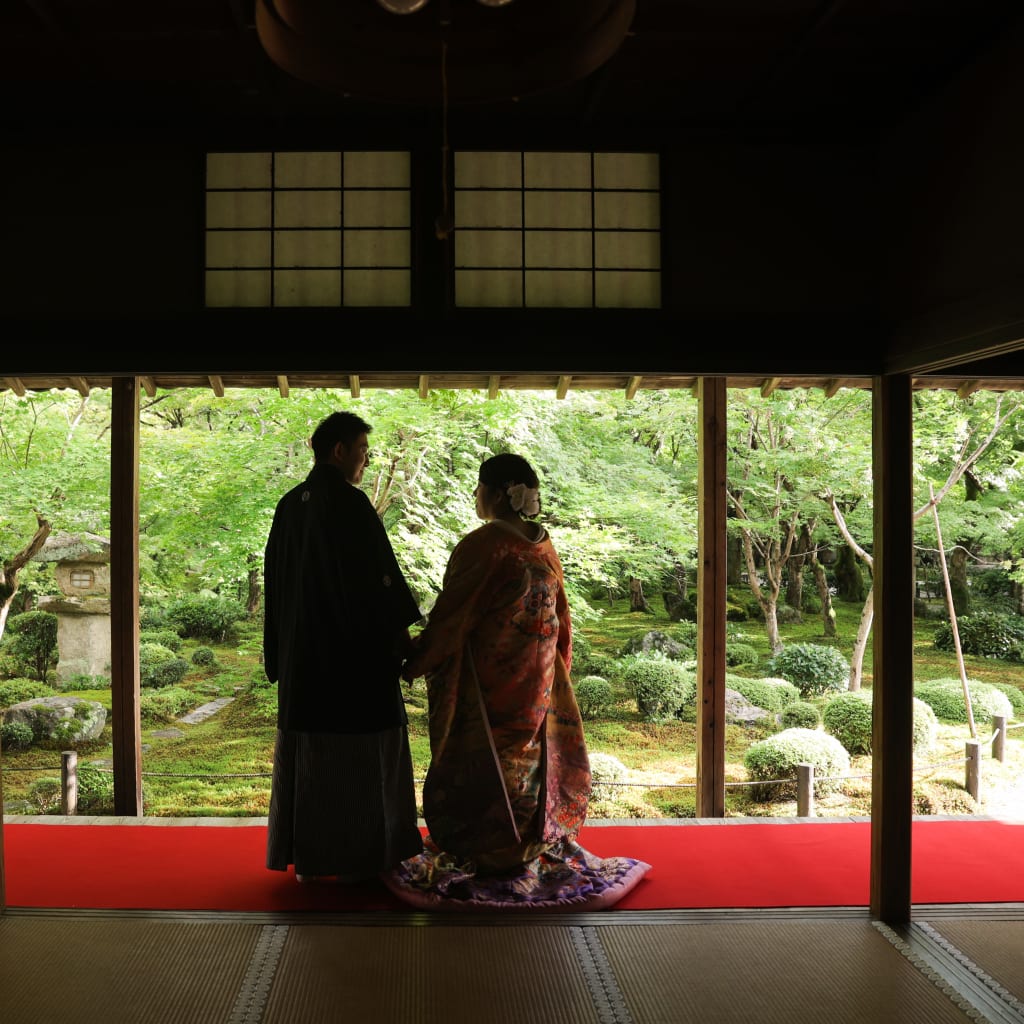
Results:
<point x="813" y="864"/>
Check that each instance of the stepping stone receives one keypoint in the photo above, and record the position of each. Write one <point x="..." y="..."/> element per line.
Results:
<point x="204" y="711"/>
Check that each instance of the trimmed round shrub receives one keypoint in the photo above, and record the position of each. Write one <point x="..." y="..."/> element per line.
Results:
<point x="847" y="716"/>
<point x="801" y="714"/>
<point x="942" y="796"/>
<point x="165" y="704"/>
<point x="662" y="687"/>
<point x="204" y="616"/>
<point x="739" y="653"/>
<point x="770" y="694"/>
<point x="204" y="657"/>
<point x="988" y="634"/>
<point x="772" y="763"/>
<point x="14" y="691"/>
<point x="605" y="770"/>
<point x="165" y="637"/>
<point x="926" y="727"/>
<point x="946" y="698"/>
<point x="15" y="736"/>
<point x="592" y="663"/>
<point x="594" y="696"/>
<point x="1015" y="695"/>
<point x="814" y="669"/>
<point x="160" y="666"/>
<point x="45" y="794"/>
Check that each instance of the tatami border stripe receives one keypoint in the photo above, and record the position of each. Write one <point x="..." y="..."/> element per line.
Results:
<point x="600" y="978"/>
<point x="252" y="996"/>
<point x="1014" y="1004"/>
<point x="948" y="975"/>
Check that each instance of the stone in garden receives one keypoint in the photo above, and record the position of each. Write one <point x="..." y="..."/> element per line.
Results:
<point x="655" y="640"/>
<point x="739" y="710"/>
<point x="69" y="720"/>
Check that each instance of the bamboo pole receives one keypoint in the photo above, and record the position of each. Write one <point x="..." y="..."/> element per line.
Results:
<point x="952" y="616"/>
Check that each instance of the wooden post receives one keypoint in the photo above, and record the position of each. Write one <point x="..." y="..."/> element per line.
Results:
<point x="999" y="737"/>
<point x="69" y="782"/>
<point x="805" y="790"/>
<point x="711" y="585"/>
<point x="892" y="762"/>
<point x="972" y="783"/>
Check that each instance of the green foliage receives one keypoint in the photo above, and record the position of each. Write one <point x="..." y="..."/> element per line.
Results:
<point x="662" y="687"/>
<point x="83" y="681"/>
<point x="770" y="694"/>
<point x="15" y="736"/>
<point x="738" y="653"/>
<point x="946" y="698"/>
<point x="160" y="666"/>
<point x="204" y="657"/>
<point x="168" y="638"/>
<point x="592" y="663"/>
<point x="204" y="616"/>
<point x="987" y="634"/>
<point x="814" y="669"/>
<point x="772" y="762"/>
<point x="1015" y="695"/>
<point x="801" y="714"/>
<point x="926" y="727"/>
<point x="594" y="696"/>
<point x="166" y="703"/>
<point x="847" y="716"/>
<point x="46" y="795"/>
<point x="14" y="691"/>
<point x="32" y="642"/>
<point x="95" y="790"/>
<point x="605" y="771"/>
<point x="942" y="796"/>
<point x="657" y="642"/>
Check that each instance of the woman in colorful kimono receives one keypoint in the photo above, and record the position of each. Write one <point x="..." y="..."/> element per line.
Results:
<point x="509" y="779"/>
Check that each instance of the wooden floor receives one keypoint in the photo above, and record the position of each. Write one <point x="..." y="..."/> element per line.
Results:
<point x="951" y="964"/>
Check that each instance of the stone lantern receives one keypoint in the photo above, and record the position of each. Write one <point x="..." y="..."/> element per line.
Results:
<point x="83" y="608"/>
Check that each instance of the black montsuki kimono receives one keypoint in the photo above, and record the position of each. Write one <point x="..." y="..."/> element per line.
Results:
<point x="336" y="608"/>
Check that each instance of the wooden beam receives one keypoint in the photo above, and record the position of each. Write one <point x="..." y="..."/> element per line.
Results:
<point x="124" y="596"/>
<point x="892" y="734"/>
<point x="564" y="381"/>
<point x="217" y="384"/>
<point x="493" y="385"/>
<point x="16" y="385"/>
<point x="832" y="386"/>
<point x="968" y="388"/>
<point x="149" y="386"/>
<point x="353" y="384"/>
<point x="81" y="385"/>
<point x="711" y="596"/>
<point x="633" y="387"/>
<point x="282" y="386"/>
<point x="424" y="385"/>
<point x="769" y="384"/>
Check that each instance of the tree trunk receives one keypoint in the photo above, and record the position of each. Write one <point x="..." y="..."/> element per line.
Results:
<point x="637" y="601"/>
<point x="255" y="592"/>
<point x="10" y="569"/>
<point x="860" y="644"/>
<point x="828" y="613"/>
<point x="849" y="578"/>
<point x="958" y="581"/>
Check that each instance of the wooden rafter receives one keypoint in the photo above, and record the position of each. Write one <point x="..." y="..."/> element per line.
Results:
<point x="769" y="384"/>
<point x="968" y="388"/>
<point x="15" y="384"/>
<point x="81" y="385"/>
<point x="217" y="384"/>
<point x="832" y="386"/>
<point x="149" y="386"/>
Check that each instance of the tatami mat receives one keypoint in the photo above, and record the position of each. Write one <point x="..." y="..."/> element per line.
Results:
<point x="793" y="967"/>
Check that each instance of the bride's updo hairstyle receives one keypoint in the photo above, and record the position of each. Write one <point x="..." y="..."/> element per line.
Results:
<point x="514" y="477"/>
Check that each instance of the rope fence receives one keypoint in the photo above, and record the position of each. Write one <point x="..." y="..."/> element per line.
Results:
<point x="805" y="778"/>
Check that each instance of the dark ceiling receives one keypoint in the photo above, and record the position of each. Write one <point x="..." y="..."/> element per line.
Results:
<point x="793" y="69"/>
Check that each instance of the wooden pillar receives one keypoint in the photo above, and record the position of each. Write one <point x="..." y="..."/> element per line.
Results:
<point x="124" y="596"/>
<point x="711" y="581"/>
<point x="893" y="653"/>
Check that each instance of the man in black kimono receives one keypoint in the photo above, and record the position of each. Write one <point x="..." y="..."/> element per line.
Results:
<point x="337" y="615"/>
